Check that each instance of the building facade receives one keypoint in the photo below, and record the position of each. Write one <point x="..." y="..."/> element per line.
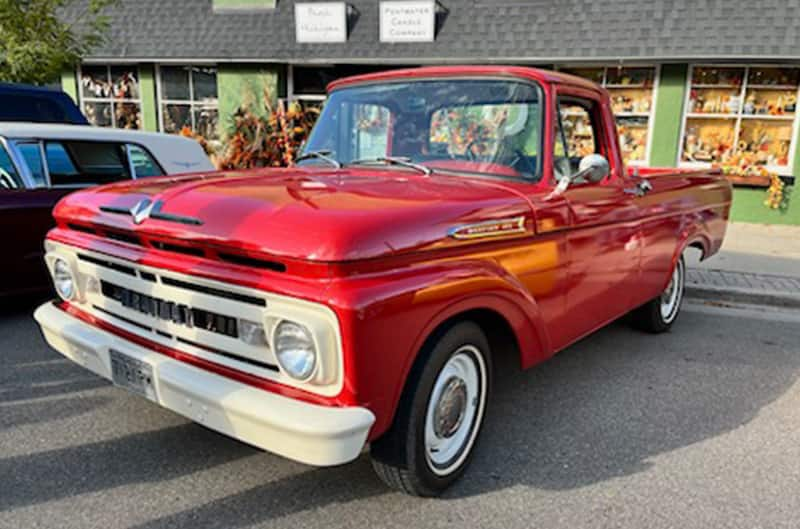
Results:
<point x="693" y="83"/>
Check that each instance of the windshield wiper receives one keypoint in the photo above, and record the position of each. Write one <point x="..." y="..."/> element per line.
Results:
<point x="395" y="160"/>
<point x="323" y="155"/>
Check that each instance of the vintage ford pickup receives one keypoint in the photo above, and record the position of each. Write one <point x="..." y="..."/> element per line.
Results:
<point x="438" y="217"/>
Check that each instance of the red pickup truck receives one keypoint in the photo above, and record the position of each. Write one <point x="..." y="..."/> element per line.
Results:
<point x="437" y="218"/>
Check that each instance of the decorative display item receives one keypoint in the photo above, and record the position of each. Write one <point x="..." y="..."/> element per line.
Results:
<point x="271" y="141"/>
<point x="778" y="194"/>
<point x="741" y="118"/>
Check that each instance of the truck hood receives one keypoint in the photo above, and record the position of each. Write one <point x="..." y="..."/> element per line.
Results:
<point x="302" y="213"/>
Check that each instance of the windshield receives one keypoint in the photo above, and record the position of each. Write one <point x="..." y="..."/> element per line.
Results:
<point x="478" y="126"/>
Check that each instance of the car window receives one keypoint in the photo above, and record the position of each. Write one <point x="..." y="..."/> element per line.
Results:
<point x="59" y="164"/>
<point x="143" y="164"/>
<point x="77" y="163"/>
<point x="500" y="131"/>
<point x="577" y="136"/>
<point x="372" y="125"/>
<point x="32" y="154"/>
<point x="9" y="177"/>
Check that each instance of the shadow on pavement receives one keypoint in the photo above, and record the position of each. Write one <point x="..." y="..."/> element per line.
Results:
<point x="158" y="455"/>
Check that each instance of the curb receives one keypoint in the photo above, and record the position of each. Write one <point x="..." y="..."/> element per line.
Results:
<point x="742" y="295"/>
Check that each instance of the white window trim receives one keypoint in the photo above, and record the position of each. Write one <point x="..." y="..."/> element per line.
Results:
<point x="113" y="100"/>
<point x="191" y="102"/>
<point x="782" y="170"/>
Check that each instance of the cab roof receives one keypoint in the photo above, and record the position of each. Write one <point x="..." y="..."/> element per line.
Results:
<point x="522" y="72"/>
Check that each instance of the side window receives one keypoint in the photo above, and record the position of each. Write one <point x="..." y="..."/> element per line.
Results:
<point x="32" y="154"/>
<point x="577" y="136"/>
<point x="76" y="163"/>
<point x="372" y="126"/>
<point x="9" y="177"/>
<point x="143" y="164"/>
<point x="59" y="164"/>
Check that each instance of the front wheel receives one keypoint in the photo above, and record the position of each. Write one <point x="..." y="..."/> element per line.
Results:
<point x="439" y="416"/>
<point x="658" y="314"/>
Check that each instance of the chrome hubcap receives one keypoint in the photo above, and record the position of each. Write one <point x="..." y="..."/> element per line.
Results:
<point x="455" y="410"/>
<point x="671" y="297"/>
<point x="449" y="412"/>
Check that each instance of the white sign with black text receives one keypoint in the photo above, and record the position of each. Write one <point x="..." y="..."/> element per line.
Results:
<point x="408" y="21"/>
<point x="320" y="22"/>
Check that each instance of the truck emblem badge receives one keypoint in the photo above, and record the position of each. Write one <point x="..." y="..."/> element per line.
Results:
<point x="142" y="209"/>
<point x="491" y="228"/>
<point x="148" y="209"/>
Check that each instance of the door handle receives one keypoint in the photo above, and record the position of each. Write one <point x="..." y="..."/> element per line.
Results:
<point x="640" y="189"/>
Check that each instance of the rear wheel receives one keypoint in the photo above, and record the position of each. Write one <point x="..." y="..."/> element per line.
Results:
<point x="658" y="314"/>
<point x="439" y="416"/>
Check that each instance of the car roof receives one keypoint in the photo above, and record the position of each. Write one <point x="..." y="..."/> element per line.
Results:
<point x="57" y="131"/>
<point x="176" y="154"/>
<point x="426" y="72"/>
<point x="27" y="88"/>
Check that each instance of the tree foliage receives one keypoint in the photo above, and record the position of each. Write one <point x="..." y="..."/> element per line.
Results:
<point x="37" y="42"/>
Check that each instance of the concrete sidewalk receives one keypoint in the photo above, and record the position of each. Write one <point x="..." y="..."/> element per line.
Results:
<point x="758" y="264"/>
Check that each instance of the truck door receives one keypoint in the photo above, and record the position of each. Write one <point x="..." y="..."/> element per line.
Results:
<point x="603" y="239"/>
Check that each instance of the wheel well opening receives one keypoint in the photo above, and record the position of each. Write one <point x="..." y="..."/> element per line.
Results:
<point x="699" y="247"/>
<point x="501" y="336"/>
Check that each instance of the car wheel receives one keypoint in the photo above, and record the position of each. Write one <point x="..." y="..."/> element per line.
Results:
<point x="660" y="313"/>
<point x="439" y="416"/>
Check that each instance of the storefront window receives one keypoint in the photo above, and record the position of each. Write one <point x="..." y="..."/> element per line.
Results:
<point x="110" y="96"/>
<point x="188" y="99"/>
<point x="632" y="94"/>
<point x="740" y="116"/>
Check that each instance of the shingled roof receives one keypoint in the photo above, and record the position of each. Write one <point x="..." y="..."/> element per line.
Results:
<point x="543" y="31"/>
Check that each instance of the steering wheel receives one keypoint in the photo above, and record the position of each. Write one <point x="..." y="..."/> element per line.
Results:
<point x="528" y="166"/>
<point x="471" y="156"/>
<point x="6" y="180"/>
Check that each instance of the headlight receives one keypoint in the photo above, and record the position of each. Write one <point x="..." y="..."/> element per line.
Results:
<point x="63" y="280"/>
<point x="295" y="349"/>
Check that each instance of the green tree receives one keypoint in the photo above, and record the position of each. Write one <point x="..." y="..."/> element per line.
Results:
<point x="38" y="41"/>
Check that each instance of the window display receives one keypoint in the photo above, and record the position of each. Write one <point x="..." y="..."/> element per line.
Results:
<point x="741" y="117"/>
<point x="188" y="99"/>
<point x="632" y="95"/>
<point x="110" y="96"/>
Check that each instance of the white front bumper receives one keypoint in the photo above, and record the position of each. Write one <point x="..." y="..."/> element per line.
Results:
<point x="305" y="432"/>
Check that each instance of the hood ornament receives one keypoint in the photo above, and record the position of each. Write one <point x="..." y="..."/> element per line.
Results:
<point x="149" y="209"/>
<point x="142" y="209"/>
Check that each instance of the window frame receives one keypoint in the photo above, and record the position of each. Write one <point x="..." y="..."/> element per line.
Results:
<point x="29" y="181"/>
<point x="20" y="173"/>
<point x="593" y="108"/>
<point x="191" y="102"/>
<point x="535" y="179"/>
<point x="113" y="101"/>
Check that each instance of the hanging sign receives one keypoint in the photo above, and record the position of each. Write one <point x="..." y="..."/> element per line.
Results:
<point x="408" y="21"/>
<point x="320" y="22"/>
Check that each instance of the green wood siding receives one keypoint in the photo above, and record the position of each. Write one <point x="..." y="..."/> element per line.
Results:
<point x="147" y="86"/>
<point x="244" y="85"/>
<point x="665" y="142"/>
<point x="69" y="84"/>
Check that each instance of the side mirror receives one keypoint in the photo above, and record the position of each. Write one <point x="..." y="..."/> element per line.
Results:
<point x="593" y="168"/>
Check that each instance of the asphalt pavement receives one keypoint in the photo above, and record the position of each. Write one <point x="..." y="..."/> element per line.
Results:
<point x="699" y="427"/>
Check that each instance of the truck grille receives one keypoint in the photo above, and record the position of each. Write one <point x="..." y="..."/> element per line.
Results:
<point x="169" y="311"/>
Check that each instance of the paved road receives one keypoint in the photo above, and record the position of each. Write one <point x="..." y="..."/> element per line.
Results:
<point x="696" y="428"/>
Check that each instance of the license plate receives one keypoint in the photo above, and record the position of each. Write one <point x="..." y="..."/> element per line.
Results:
<point x="132" y="374"/>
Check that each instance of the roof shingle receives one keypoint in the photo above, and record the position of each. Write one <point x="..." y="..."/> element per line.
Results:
<point x="469" y="31"/>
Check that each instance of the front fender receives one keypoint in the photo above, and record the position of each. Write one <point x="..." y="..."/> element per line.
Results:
<point x="387" y="317"/>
